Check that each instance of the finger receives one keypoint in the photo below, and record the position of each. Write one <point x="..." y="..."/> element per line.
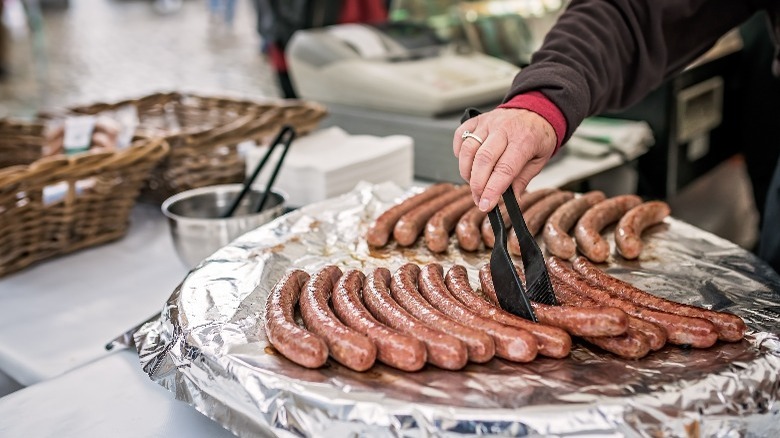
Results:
<point x="468" y="149"/>
<point x="505" y="172"/>
<point x="485" y="161"/>
<point x="469" y="125"/>
<point x="529" y="172"/>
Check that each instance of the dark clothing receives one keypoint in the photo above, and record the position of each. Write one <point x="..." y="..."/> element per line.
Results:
<point x="608" y="54"/>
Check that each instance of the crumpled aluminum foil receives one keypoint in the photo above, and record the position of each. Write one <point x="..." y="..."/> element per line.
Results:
<point x="208" y="347"/>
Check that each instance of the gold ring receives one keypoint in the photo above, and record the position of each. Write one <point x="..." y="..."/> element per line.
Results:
<point x="467" y="134"/>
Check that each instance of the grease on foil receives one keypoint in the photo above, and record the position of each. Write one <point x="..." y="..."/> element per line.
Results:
<point x="208" y="346"/>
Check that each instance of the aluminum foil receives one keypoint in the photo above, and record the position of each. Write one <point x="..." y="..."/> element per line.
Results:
<point x="208" y="347"/>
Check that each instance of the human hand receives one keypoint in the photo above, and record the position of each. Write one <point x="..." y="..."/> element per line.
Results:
<point x="517" y="144"/>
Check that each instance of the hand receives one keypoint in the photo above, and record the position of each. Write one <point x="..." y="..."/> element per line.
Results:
<point x="517" y="144"/>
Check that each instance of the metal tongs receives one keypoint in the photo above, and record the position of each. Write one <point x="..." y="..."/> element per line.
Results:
<point x="511" y="294"/>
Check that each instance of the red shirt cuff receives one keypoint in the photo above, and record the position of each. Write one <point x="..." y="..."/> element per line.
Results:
<point x="537" y="102"/>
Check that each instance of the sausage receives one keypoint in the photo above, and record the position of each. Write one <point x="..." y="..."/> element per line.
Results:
<point x="379" y="232"/>
<point x="556" y="231"/>
<point x="403" y="288"/>
<point x="512" y="343"/>
<point x="633" y="344"/>
<point x="730" y="327"/>
<point x="628" y="233"/>
<point x="467" y="230"/>
<point x="537" y="215"/>
<point x="604" y="321"/>
<point x="347" y="346"/>
<point x="525" y="201"/>
<point x="395" y="349"/>
<point x="587" y="232"/>
<point x="409" y="226"/>
<point x="680" y="330"/>
<point x="551" y="341"/>
<point x="655" y="335"/>
<point x="437" y="230"/>
<point x="294" y="342"/>
<point x="443" y="350"/>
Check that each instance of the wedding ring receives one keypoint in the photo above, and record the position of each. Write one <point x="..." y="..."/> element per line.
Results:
<point x="467" y="134"/>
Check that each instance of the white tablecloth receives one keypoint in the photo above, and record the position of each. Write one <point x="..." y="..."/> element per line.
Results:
<point x="59" y="314"/>
<point x="111" y="397"/>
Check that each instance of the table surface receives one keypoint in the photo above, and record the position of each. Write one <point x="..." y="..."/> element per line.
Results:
<point x="59" y="314"/>
<point x="109" y="397"/>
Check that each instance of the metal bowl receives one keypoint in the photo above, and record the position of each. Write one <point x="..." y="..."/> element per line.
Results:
<point x="196" y="225"/>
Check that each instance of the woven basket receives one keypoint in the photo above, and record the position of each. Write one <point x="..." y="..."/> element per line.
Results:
<point x="94" y="193"/>
<point x="203" y="133"/>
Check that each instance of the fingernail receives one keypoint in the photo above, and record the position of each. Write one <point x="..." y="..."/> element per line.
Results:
<point x="484" y="204"/>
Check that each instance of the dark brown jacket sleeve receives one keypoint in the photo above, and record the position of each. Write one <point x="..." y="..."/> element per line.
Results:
<point x="608" y="54"/>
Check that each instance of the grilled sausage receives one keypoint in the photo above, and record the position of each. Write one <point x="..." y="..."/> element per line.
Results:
<point x="403" y="288"/>
<point x="294" y="342"/>
<point x="556" y="230"/>
<point x="379" y="232"/>
<point x="605" y="321"/>
<point x="536" y="215"/>
<point x="680" y="330"/>
<point x="551" y="341"/>
<point x="467" y="230"/>
<point x="439" y="226"/>
<point x="525" y="201"/>
<point x="512" y="343"/>
<point x="443" y="350"/>
<point x="347" y="346"/>
<point x="655" y="335"/>
<point x="628" y="233"/>
<point x="409" y="226"/>
<point x="395" y="349"/>
<point x="730" y="327"/>
<point x="587" y="232"/>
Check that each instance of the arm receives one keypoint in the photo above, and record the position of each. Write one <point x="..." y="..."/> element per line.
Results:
<point x="600" y="54"/>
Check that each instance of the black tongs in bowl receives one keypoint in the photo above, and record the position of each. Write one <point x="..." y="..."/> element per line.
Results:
<point x="511" y="294"/>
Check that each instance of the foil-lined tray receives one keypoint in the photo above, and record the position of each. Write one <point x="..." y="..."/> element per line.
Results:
<point x="209" y="348"/>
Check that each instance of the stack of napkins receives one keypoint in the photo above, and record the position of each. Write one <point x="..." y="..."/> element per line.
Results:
<point x="331" y="162"/>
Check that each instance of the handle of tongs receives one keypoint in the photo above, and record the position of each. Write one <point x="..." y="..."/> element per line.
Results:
<point x="285" y="137"/>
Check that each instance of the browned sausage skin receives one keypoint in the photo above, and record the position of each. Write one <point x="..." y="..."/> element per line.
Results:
<point x="525" y="201"/>
<point x="628" y="233"/>
<point x="439" y="226"/>
<point x="655" y="335"/>
<point x="411" y="224"/>
<point x="294" y="342"/>
<point x="348" y="347"/>
<point x="602" y="321"/>
<point x="730" y="327"/>
<point x="551" y="341"/>
<point x="680" y="330"/>
<point x="404" y="289"/>
<point x="379" y="232"/>
<point x="536" y="215"/>
<point x="512" y="343"/>
<point x="556" y="231"/>
<point x="467" y="230"/>
<point x="587" y="232"/>
<point x="395" y="349"/>
<point x="443" y="350"/>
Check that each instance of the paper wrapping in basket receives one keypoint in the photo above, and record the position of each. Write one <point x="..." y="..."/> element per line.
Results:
<point x="209" y="348"/>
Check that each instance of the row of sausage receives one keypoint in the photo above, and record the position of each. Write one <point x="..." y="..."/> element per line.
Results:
<point x="442" y="208"/>
<point x="419" y="315"/>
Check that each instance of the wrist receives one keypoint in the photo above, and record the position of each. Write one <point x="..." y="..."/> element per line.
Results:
<point x="538" y="103"/>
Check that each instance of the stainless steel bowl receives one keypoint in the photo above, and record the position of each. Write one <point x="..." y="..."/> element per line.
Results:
<point x="197" y="228"/>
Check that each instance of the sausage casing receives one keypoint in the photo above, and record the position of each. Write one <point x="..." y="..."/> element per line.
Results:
<point x="587" y="232"/>
<point x="437" y="230"/>
<point x="556" y="230"/>
<point x="411" y="224"/>
<point x="379" y="231"/>
<point x="628" y="233"/>
<point x="294" y="342"/>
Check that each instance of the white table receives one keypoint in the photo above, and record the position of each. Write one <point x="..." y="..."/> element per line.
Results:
<point x="59" y="314"/>
<point x="111" y="397"/>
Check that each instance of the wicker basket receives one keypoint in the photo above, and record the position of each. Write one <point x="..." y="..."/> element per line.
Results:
<point x="93" y="194"/>
<point x="203" y="133"/>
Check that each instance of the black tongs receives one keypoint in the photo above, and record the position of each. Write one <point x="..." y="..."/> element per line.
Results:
<point x="511" y="294"/>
